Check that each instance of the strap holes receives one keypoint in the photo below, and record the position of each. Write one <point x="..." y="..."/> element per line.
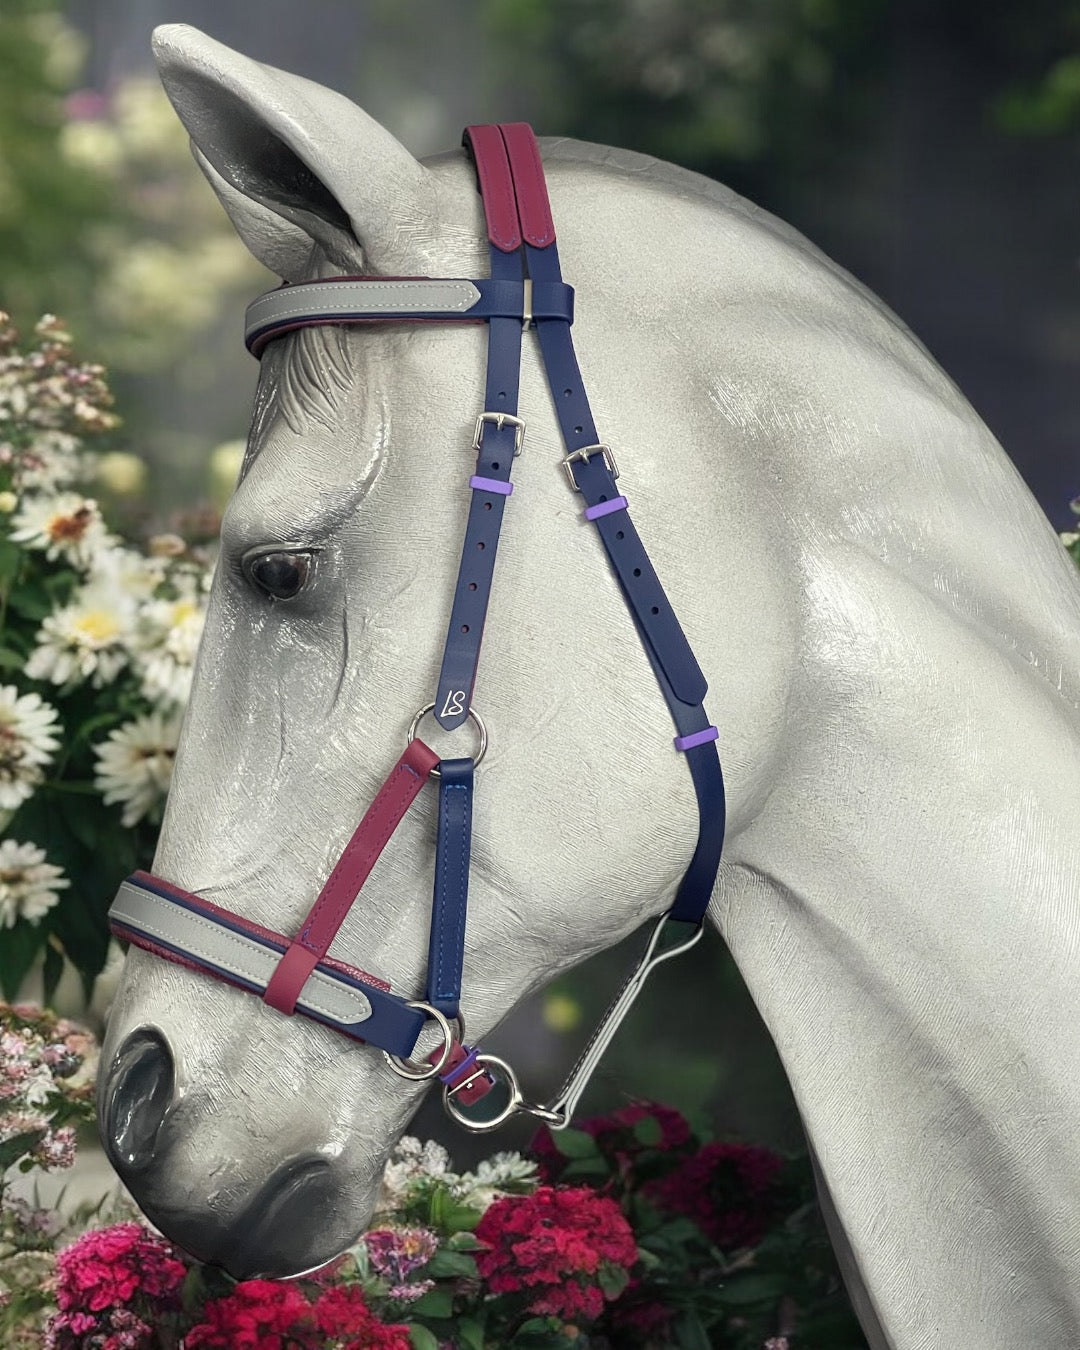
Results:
<point x="604" y="497"/>
<point x="472" y="585"/>
<point x="654" y="610"/>
<point x="577" y="431"/>
<point x="487" y="506"/>
<point x="495" y="464"/>
<point x="465" y="626"/>
<point x="637" y="571"/>
<point x="566" y="393"/>
<point x="481" y="545"/>
<point x="619" y="534"/>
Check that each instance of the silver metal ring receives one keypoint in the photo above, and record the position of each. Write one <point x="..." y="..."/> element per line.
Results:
<point x="419" y="1073"/>
<point x="474" y="718"/>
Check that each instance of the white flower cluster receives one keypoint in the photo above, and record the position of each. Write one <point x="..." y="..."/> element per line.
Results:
<point x="103" y="611"/>
<point x="415" y="1166"/>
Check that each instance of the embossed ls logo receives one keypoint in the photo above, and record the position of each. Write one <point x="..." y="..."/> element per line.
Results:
<point x="455" y="703"/>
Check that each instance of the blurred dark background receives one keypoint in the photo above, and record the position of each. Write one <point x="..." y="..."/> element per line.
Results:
<point x="930" y="146"/>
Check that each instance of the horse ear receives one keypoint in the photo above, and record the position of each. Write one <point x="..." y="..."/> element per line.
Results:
<point x="294" y="164"/>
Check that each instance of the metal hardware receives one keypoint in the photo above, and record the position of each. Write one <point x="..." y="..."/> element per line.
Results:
<point x="557" y="1114"/>
<point x="526" y="306"/>
<point x="474" y="718"/>
<point x="583" y="456"/>
<point x="418" y="1073"/>
<point x="500" y="419"/>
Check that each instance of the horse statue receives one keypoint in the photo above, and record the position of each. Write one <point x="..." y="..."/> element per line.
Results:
<point x="889" y="628"/>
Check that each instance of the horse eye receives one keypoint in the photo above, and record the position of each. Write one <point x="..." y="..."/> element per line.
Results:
<point x="279" y="575"/>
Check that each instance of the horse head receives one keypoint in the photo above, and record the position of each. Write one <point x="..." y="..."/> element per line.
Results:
<point x="819" y="503"/>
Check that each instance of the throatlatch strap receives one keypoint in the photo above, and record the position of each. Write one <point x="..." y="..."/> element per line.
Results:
<point x="350" y="872"/>
<point x="446" y="947"/>
<point x="592" y="470"/>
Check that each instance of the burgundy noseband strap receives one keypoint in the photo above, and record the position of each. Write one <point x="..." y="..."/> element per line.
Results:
<point x="297" y="975"/>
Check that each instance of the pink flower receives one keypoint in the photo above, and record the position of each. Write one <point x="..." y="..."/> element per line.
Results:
<point x="110" y="1267"/>
<point x="398" y="1253"/>
<point x="555" y="1246"/>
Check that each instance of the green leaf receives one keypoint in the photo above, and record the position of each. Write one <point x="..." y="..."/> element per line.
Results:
<point x="422" y="1339"/>
<point x="648" y="1131"/>
<point x="435" y="1303"/>
<point x="449" y="1215"/>
<point x="574" y="1143"/>
<point x="53" y="969"/>
<point x="470" y="1334"/>
<point x="446" y="1264"/>
<point x="465" y="1242"/>
<point x="612" y="1279"/>
<point x="690" y="1333"/>
<point x="10" y="659"/>
<point x="11" y="1150"/>
<point x="754" y="1288"/>
<point x="18" y="948"/>
<point x="586" y="1167"/>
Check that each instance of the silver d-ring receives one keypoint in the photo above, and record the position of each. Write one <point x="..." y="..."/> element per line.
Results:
<point x="474" y="718"/>
<point x="418" y="1073"/>
<point x="497" y="1068"/>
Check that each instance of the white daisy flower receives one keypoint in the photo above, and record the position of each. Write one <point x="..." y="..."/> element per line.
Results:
<point x="135" y="763"/>
<point x="27" y="744"/>
<point x="29" y="886"/>
<point x="129" y="572"/>
<point x="167" y="644"/>
<point x="86" y="639"/>
<point x="66" y="526"/>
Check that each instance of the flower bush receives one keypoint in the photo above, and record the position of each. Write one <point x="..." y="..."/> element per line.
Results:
<point x="97" y="642"/>
<point x="587" y="1243"/>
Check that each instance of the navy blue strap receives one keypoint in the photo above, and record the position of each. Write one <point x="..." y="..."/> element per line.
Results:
<point x="594" y="478"/>
<point x="449" y="903"/>
<point x="499" y="437"/>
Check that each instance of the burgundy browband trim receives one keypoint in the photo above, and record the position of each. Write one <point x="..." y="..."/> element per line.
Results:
<point x="350" y="872"/>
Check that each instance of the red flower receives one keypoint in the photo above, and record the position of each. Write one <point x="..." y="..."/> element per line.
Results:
<point x="342" y="1312"/>
<point x="561" y="1247"/>
<point x="257" y="1315"/>
<point x="109" y="1267"/>
<point x="731" y="1191"/>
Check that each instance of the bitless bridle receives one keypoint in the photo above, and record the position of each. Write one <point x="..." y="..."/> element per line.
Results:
<point x="296" y="974"/>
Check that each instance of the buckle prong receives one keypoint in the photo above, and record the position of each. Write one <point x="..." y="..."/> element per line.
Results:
<point x="500" y="419"/>
<point x="583" y="456"/>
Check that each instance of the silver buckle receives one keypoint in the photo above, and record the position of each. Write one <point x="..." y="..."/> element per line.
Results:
<point x="584" y="455"/>
<point x="500" y="420"/>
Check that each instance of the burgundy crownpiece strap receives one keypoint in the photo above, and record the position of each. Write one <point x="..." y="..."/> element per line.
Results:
<point x="527" y="171"/>
<point x="485" y="145"/>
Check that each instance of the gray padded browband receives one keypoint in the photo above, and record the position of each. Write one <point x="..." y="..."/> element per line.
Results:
<point x="230" y="951"/>
<point x="343" y="298"/>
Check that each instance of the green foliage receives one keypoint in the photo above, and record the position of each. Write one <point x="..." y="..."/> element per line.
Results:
<point x="49" y="209"/>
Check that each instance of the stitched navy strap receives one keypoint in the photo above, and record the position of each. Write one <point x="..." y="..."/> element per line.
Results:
<point x="446" y="948"/>
<point x="498" y="439"/>
<point x="192" y="932"/>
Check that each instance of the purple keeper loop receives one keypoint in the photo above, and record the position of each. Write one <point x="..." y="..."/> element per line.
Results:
<point x="605" y="508"/>
<point x="696" y="738"/>
<point x="454" y="1076"/>
<point x="491" y="485"/>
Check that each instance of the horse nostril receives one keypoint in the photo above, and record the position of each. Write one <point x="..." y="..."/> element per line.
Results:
<point x="140" y="1087"/>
